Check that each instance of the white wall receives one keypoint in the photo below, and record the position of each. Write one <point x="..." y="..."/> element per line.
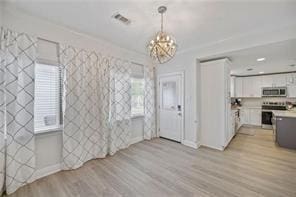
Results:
<point x="1" y="14"/>
<point x="49" y="145"/>
<point x="188" y="64"/>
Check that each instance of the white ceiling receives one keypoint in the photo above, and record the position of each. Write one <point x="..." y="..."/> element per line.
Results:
<point x="193" y="23"/>
<point x="278" y="58"/>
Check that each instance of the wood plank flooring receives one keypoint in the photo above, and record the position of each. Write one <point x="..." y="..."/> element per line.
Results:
<point x="250" y="166"/>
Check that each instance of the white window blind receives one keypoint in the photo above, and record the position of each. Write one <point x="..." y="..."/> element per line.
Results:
<point x="137" y="96"/>
<point x="47" y="97"/>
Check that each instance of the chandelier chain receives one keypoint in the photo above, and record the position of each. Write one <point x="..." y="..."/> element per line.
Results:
<point x="161" y="27"/>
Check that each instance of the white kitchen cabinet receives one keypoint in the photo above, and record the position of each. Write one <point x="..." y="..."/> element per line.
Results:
<point x="252" y="86"/>
<point x="266" y="81"/>
<point x="215" y="105"/>
<point x="250" y="116"/>
<point x="244" y="116"/>
<point x="291" y="85"/>
<point x="232" y="86"/>
<point x="248" y="87"/>
<point x="291" y="91"/>
<point x="238" y="87"/>
<point x="279" y="80"/>
<point x="291" y="79"/>
<point x="232" y="128"/>
<point x="257" y="86"/>
<point x="255" y="117"/>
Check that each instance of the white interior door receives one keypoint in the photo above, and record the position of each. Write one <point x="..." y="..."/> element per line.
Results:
<point x="171" y="106"/>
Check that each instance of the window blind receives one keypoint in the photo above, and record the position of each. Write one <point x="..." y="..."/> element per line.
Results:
<point x="47" y="97"/>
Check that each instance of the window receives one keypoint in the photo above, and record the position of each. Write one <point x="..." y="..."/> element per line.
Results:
<point x="137" y="96"/>
<point x="169" y="95"/>
<point x="47" y="97"/>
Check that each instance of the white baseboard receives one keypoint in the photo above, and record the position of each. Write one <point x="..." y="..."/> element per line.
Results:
<point x="213" y="147"/>
<point x="136" y="139"/>
<point x="40" y="173"/>
<point x="191" y="144"/>
<point x="228" y="142"/>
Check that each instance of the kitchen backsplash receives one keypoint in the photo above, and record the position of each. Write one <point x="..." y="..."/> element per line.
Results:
<point x="257" y="102"/>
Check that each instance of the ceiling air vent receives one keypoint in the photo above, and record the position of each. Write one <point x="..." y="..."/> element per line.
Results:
<point x="121" y="18"/>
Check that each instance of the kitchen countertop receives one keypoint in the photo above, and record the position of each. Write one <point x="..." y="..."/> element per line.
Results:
<point x="234" y="108"/>
<point x="281" y="113"/>
<point x="291" y="114"/>
<point x="251" y="107"/>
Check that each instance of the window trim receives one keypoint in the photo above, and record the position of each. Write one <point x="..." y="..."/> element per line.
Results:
<point x="136" y="116"/>
<point x="37" y="132"/>
<point x="59" y="126"/>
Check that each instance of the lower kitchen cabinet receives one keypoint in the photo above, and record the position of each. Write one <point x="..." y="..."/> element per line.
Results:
<point x="251" y="116"/>
<point x="231" y="131"/>
<point x="244" y="116"/>
<point x="255" y="117"/>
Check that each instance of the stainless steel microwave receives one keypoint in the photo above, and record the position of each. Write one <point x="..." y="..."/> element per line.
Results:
<point x="274" y="92"/>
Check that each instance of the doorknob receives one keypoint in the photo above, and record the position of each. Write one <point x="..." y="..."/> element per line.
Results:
<point x="179" y="114"/>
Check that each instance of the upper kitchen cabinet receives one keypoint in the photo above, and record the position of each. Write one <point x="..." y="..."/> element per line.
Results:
<point x="232" y="86"/>
<point x="291" y="85"/>
<point x="252" y="86"/>
<point x="238" y="87"/>
<point x="291" y="91"/>
<point x="291" y="79"/>
<point x="266" y="81"/>
<point x="279" y="80"/>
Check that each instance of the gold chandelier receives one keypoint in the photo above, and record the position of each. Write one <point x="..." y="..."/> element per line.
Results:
<point x="163" y="47"/>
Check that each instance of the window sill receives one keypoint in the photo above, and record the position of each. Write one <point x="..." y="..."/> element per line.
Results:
<point x="46" y="131"/>
<point x="136" y="116"/>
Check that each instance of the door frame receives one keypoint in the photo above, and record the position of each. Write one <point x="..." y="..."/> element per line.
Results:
<point x="182" y="74"/>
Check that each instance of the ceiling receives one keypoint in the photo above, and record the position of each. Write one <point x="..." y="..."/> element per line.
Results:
<point x="193" y="23"/>
<point x="278" y="58"/>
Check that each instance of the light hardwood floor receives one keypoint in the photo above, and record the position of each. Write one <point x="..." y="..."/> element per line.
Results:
<point x="250" y="166"/>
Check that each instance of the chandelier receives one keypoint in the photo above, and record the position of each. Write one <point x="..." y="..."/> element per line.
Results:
<point x="163" y="47"/>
